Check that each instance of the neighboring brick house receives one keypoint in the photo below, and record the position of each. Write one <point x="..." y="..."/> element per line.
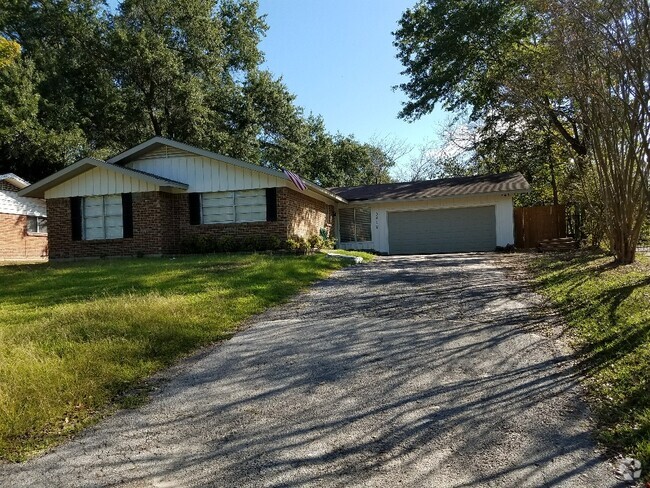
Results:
<point x="156" y="196"/>
<point x="23" y="222"/>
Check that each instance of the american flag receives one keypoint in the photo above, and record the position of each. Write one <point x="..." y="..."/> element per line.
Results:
<point x="295" y="179"/>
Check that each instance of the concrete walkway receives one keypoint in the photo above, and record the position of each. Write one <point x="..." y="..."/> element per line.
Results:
<point x="411" y="371"/>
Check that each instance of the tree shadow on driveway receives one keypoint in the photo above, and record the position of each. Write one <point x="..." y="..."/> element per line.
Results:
<point x="417" y="371"/>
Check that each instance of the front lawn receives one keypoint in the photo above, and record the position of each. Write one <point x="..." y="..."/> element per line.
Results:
<point x="608" y="313"/>
<point x="76" y="339"/>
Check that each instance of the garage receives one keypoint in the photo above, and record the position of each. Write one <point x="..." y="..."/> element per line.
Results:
<point x="460" y="214"/>
<point x="442" y="230"/>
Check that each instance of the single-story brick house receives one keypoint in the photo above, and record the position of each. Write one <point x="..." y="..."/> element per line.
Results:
<point x="153" y="197"/>
<point x="23" y="222"/>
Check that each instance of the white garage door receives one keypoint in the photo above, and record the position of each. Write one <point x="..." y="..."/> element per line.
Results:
<point x="445" y="230"/>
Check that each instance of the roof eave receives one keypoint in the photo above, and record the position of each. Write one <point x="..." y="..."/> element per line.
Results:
<point x="314" y="187"/>
<point x="37" y="190"/>
<point x="136" y="151"/>
<point x="15" y="180"/>
<point x="437" y="197"/>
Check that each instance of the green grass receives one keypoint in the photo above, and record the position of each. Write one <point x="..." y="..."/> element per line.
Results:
<point x="608" y="312"/>
<point x="77" y="340"/>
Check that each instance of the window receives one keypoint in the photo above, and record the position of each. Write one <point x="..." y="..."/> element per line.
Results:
<point x="233" y="206"/>
<point x="37" y="225"/>
<point x="102" y="217"/>
<point x="355" y="224"/>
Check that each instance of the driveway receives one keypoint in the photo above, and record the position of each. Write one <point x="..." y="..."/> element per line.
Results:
<point x="411" y="371"/>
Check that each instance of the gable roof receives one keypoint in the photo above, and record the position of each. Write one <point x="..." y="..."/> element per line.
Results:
<point x="445" y="187"/>
<point x="15" y="180"/>
<point x="156" y="142"/>
<point x="39" y="188"/>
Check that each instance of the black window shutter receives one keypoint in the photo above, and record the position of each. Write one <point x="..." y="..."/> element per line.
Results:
<point x="195" y="208"/>
<point x="75" y="218"/>
<point x="271" y="205"/>
<point x="127" y="214"/>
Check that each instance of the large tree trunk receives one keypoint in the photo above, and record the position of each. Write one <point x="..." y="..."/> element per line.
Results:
<point x="608" y="51"/>
<point x="624" y="243"/>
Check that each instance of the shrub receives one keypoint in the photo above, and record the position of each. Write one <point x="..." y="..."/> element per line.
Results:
<point x="249" y="244"/>
<point x="225" y="244"/>
<point x="297" y="244"/>
<point x="329" y="243"/>
<point x="273" y="243"/>
<point x="315" y="241"/>
<point x="195" y="245"/>
<point x="291" y="244"/>
<point x="202" y="244"/>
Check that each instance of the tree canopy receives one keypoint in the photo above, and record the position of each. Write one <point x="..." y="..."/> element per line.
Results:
<point x="9" y="52"/>
<point x="79" y="79"/>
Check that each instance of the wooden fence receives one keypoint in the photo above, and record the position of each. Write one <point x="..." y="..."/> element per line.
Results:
<point x="534" y="224"/>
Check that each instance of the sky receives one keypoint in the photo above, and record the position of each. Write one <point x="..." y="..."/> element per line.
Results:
<point x="337" y="57"/>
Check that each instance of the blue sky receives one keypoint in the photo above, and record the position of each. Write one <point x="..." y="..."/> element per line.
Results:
<point x="337" y="57"/>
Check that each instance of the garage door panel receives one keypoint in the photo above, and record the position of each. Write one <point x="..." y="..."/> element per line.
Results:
<point x="443" y="230"/>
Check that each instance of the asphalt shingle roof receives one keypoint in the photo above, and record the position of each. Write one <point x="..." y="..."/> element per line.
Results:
<point x="445" y="187"/>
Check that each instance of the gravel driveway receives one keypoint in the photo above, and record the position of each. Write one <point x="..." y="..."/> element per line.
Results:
<point x="410" y="371"/>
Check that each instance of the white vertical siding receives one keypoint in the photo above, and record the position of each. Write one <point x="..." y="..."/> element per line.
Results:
<point x="502" y="207"/>
<point x="203" y="174"/>
<point x="99" y="181"/>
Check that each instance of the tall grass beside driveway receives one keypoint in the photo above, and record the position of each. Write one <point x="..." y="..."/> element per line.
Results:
<point x="607" y="309"/>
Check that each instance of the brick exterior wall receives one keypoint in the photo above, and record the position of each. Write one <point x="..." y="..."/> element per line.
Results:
<point x="161" y="222"/>
<point x="298" y="215"/>
<point x="152" y="213"/>
<point x="305" y="215"/>
<point x="236" y="230"/>
<point x="16" y="243"/>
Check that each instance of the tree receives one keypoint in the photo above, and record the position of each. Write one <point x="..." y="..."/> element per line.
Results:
<point x="65" y="41"/>
<point x="487" y="57"/>
<point x="190" y="71"/>
<point x="93" y="82"/>
<point x="508" y="63"/>
<point x="9" y="52"/>
<point x="465" y="148"/>
<point x="332" y="160"/>
<point x="177" y="64"/>
<point x="606" y="46"/>
<point x="27" y="146"/>
<point x="384" y="153"/>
